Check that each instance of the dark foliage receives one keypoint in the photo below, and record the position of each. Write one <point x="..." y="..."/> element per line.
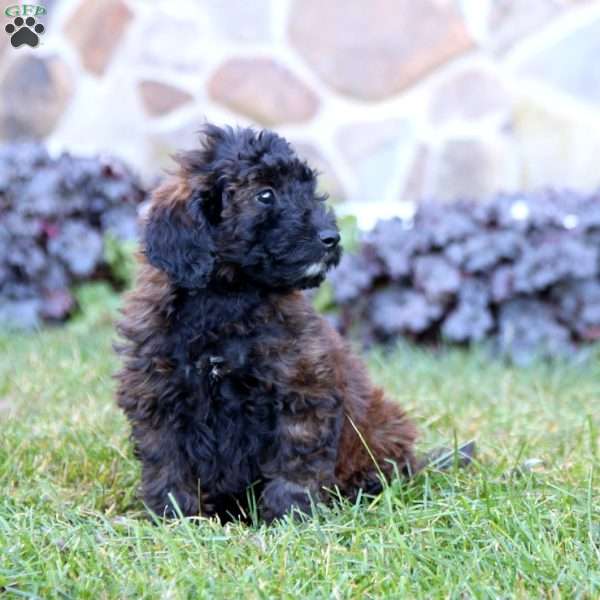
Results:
<point x="55" y="216"/>
<point x="521" y="271"/>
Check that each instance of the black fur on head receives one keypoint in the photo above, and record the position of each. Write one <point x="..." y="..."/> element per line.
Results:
<point x="251" y="213"/>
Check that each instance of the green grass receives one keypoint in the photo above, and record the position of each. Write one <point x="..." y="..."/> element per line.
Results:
<point x="71" y="525"/>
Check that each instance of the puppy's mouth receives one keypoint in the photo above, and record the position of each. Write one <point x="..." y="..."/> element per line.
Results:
<point x="315" y="269"/>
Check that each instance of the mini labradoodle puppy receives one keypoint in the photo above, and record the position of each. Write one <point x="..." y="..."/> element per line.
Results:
<point x="230" y="379"/>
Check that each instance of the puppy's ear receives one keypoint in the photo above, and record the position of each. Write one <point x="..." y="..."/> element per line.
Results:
<point x="178" y="241"/>
<point x="178" y="232"/>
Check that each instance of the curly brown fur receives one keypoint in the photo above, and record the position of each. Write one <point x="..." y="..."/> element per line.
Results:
<point x="230" y="379"/>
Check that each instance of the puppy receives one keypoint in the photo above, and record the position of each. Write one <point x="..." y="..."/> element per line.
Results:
<point x="230" y="379"/>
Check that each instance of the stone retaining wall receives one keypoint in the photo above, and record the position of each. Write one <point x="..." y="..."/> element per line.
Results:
<point x="394" y="100"/>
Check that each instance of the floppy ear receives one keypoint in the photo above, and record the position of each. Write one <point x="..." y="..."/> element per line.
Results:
<point x="178" y="241"/>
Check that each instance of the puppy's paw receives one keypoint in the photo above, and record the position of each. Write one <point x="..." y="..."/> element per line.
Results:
<point x="281" y="497"/>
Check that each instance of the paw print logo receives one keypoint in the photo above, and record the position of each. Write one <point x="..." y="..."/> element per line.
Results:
<point x="24" y="32"/>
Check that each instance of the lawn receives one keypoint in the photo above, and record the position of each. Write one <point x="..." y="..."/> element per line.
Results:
<point x="72" y="526"/>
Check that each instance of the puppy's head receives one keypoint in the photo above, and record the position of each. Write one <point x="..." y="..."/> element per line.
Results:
<point x="243" y="208"/>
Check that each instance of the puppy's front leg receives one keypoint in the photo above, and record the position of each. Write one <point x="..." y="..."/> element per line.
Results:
<point x="305" y="458"/>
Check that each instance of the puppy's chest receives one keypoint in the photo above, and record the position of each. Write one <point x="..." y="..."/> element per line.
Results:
<point x="232" y="342"/>
<point x="241" y="368"/>
<point x="241" y="354"/>
<point x="233" y="391"/>
<point x="237" y="407"/>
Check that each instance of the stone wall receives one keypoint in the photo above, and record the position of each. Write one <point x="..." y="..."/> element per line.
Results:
<point x="394" y="100"/>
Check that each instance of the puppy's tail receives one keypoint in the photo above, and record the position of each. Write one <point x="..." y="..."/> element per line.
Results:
<point x="442" y="459"/>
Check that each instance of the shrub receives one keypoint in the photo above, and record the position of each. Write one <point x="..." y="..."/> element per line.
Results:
<point x="519" y="271"/>
<point x="62" y="221"/>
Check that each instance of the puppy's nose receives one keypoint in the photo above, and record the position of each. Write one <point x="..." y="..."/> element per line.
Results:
<point x="329" y="237"/>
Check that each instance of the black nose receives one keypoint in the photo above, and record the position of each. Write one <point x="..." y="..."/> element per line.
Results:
<point x="329" y="237"/>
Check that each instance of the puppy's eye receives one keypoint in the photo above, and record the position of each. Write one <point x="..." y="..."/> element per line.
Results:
<point x="265" y="197"/>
